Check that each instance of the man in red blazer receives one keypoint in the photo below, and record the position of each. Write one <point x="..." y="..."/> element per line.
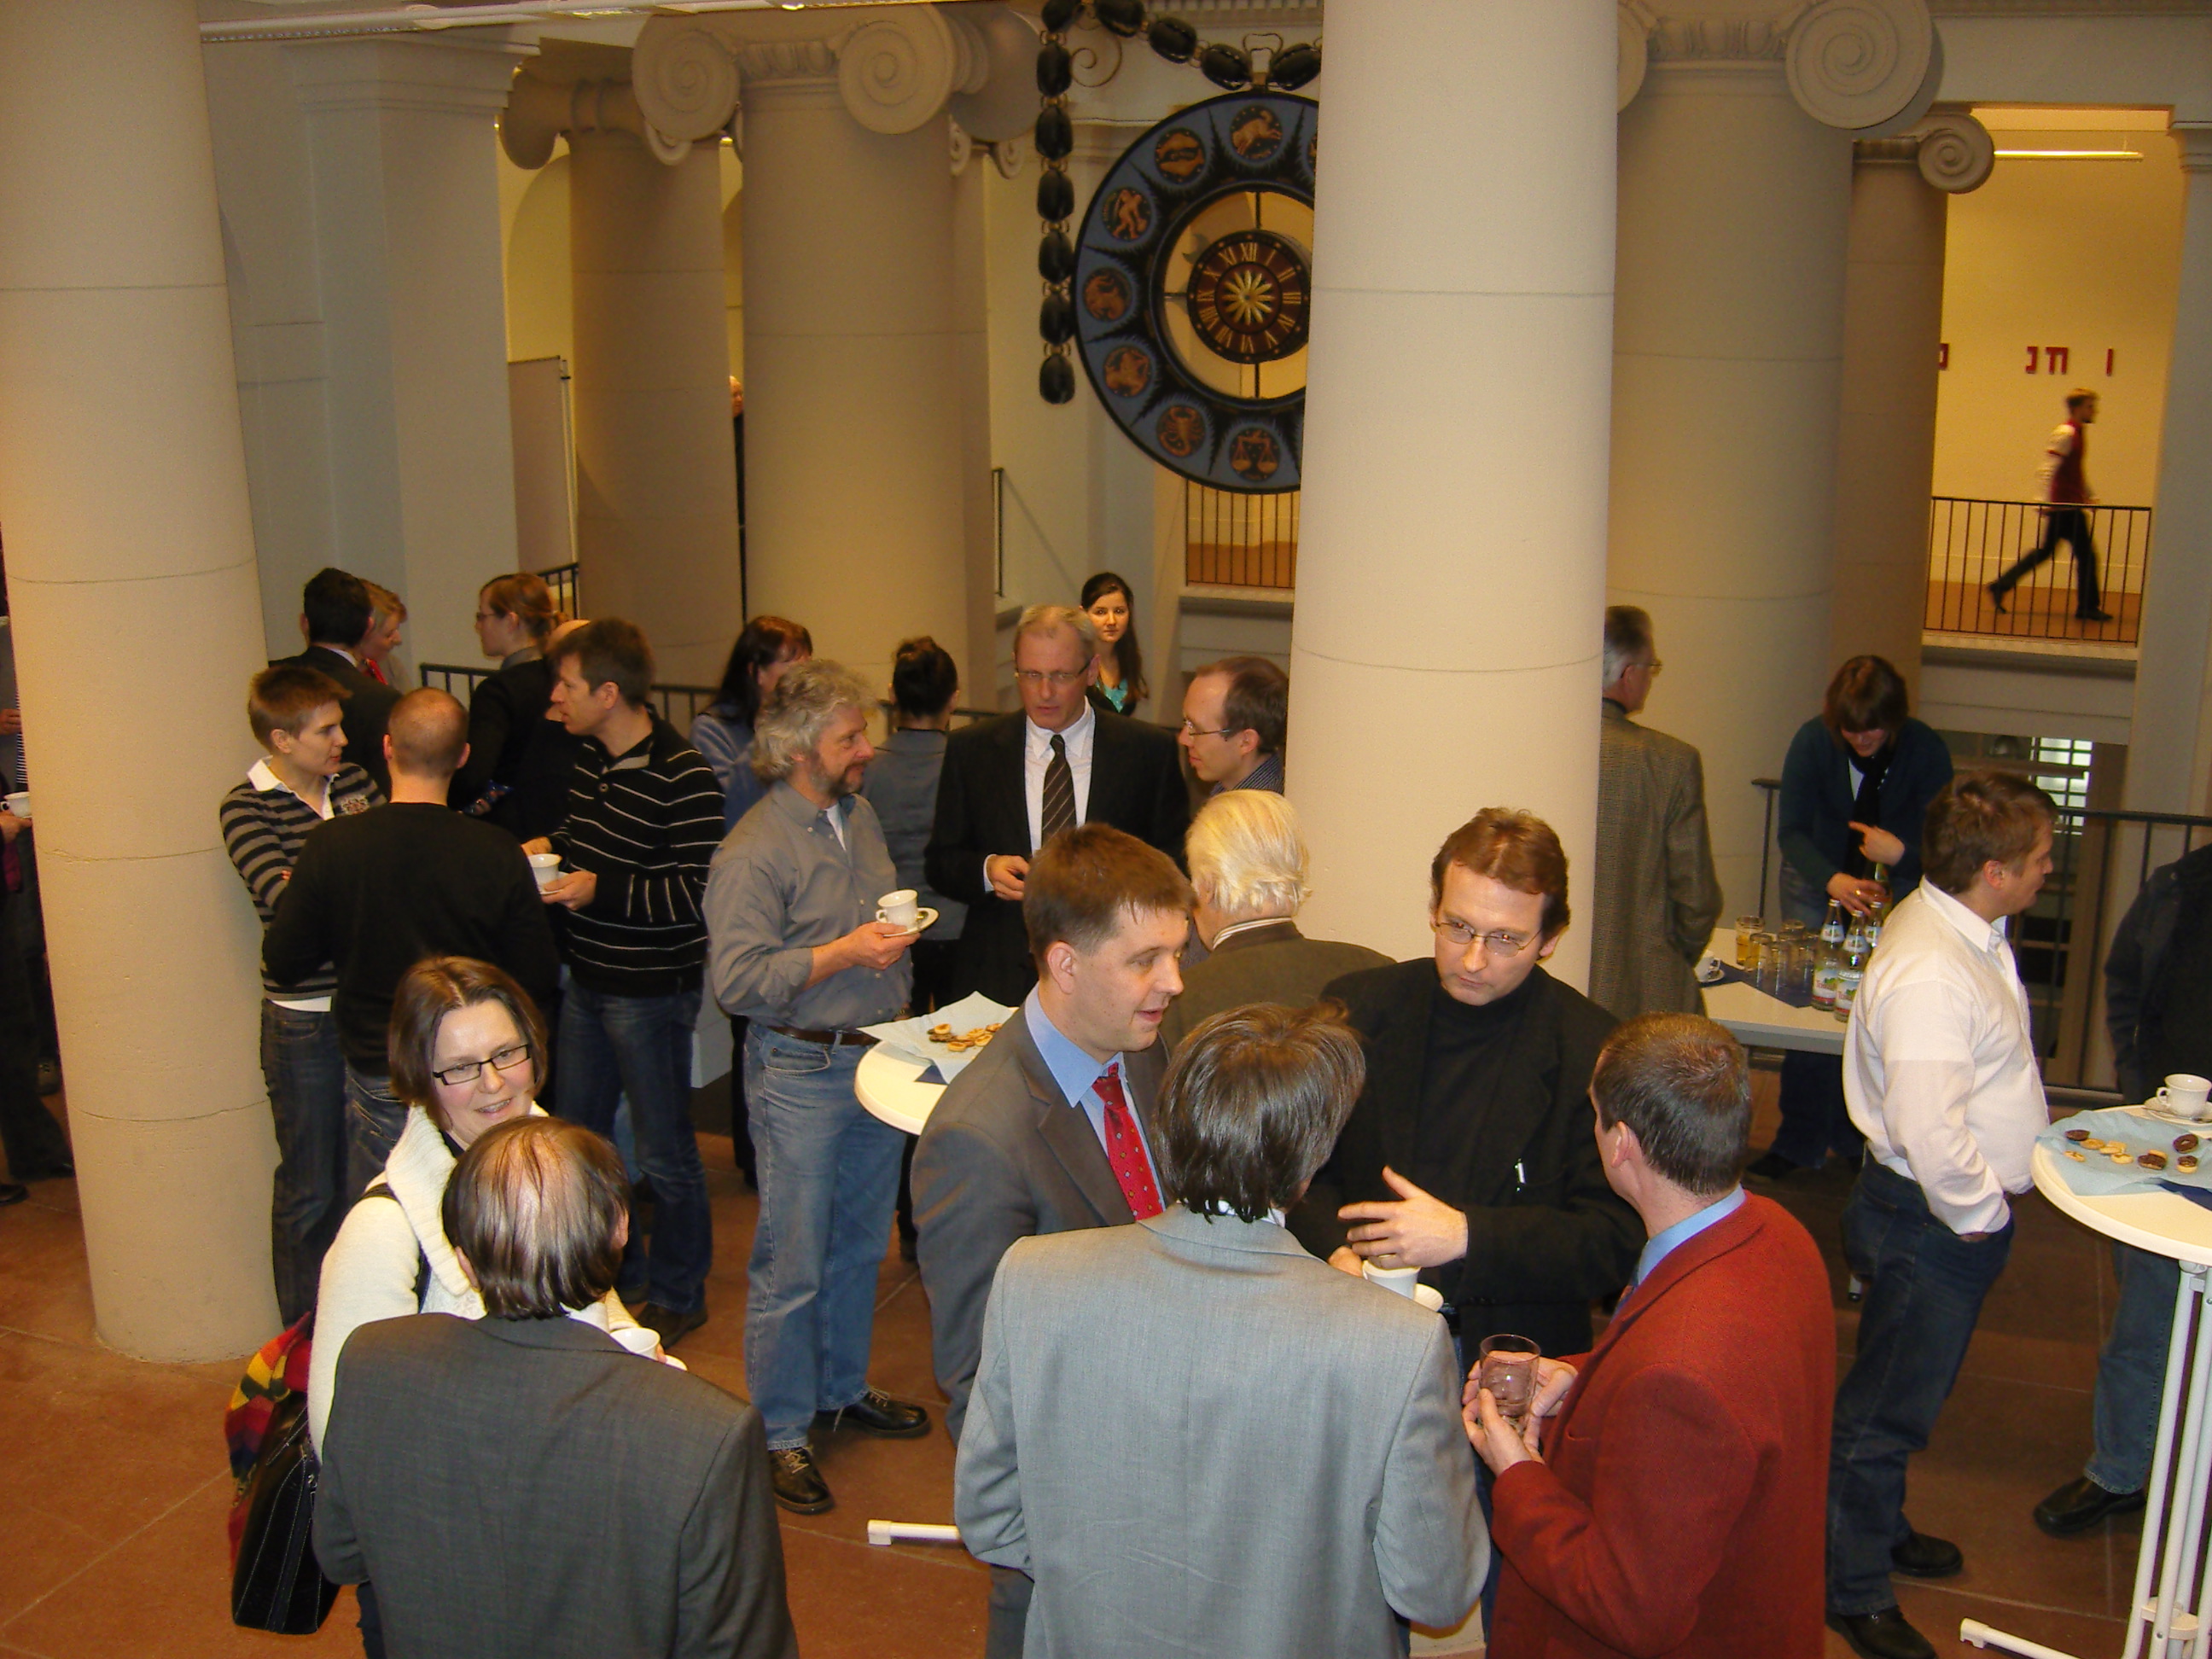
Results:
<point x="1667" y="1493"/>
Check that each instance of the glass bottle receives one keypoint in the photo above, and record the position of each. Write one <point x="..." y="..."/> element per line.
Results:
<point x="1854" y="970"/>
<point x="1832" y="930"/>
<point x="1827" y="968"/>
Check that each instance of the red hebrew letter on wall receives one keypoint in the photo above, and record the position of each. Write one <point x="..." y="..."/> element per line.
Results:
<point x="2056" y="357"/>
<point x="2035" y="358"/>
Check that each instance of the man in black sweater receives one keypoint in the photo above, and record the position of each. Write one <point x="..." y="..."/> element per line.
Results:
<point x="375" y="892"/>
<point x="1471" y="1153"/>
<point x="337" y="616"/>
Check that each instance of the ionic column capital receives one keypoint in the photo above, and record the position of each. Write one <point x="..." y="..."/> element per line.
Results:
<point x="1952" y="151"/>
<point x="1856" y="65"/>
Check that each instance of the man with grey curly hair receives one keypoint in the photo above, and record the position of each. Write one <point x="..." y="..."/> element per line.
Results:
<point x="1248" y="866"/>
<point x="794" y="947"/>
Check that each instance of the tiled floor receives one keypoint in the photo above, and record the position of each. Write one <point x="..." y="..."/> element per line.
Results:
<point x="112" y="1517"/>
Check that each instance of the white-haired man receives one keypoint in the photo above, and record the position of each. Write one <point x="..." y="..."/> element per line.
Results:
<point x="795" y="948"/>
<point x="1011" y="784"/>
<point x="1248" y="866"/>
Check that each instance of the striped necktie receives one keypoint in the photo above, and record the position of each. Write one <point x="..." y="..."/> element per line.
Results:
<point x="1058" y="792"/>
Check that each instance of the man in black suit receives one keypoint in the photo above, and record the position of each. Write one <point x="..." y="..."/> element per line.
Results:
<point x="337" y="616"/>
<point x="525" y="1485"/>
<point x="1469" y="1155"/>
<point x="1049" y="1129"/>
<point x="1010" y="784"/>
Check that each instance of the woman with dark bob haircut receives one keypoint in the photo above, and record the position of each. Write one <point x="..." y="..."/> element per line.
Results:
<point x="467" y="1047"/>
<point x="1855" y="789"/>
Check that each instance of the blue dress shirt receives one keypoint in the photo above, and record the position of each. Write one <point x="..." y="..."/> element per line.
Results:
<point x="1660" y="1243"/>
<point x="1077" y="1075"/>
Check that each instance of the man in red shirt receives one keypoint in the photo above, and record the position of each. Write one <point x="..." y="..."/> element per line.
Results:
<point x="1666" y="1493"/>
<point x="2066" y="487"/>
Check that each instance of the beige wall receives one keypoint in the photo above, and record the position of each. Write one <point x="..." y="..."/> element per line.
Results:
<point x="2083" y="254"/>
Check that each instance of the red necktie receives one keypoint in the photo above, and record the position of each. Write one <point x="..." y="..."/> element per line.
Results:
<point x="1124" y="1150"/>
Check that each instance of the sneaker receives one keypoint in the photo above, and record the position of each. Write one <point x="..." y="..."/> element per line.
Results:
<point x="799" y="1486"/>
<point x="875" y="1412"/>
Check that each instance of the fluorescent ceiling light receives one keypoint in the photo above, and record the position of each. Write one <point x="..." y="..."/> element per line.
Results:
<point x="2073" y="155"/>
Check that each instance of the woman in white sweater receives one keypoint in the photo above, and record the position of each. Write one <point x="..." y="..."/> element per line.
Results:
<point x="466" y="1050"/>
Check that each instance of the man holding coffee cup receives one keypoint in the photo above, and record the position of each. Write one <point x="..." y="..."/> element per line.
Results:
<point x="798" y="951"/>
<point x="1662" y="1492"/>
<point x="2158" y="1007"/>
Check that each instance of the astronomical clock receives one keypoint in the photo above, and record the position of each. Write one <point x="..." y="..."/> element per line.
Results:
<point x="1193" y="287"/>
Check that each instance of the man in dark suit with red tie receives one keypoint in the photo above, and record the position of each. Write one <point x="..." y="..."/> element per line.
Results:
<point x="1047" y="1131"/>
<point x="1011" y="784"/>
<point x="1666" y="1493"/>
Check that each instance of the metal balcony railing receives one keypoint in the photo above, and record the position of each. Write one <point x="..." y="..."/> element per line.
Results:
<point x="1972" y="542"/>
<point x="1240" y="541"/>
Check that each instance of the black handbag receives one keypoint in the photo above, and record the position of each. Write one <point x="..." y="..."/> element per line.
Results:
<point x="276" y="1583"/>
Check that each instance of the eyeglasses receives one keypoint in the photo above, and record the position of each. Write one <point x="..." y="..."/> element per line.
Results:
<point x="1497" y="944"/>
<point x="506" y="1059"/>
<point x="1061" y="678"/>
<point x="1190" y="731"/>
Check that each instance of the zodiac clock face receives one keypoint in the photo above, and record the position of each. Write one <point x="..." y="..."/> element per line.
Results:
<point x="1193" y="290"/>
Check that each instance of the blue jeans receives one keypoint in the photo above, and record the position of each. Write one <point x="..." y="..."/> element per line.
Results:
<point x="1924" y="1286"/>
<point x="829" y="1173"/>
<point x="305" y="1070"/>
<point x="1816" y="1119"/>
<point x="613" y="1047"/>
<point x="2131" y="1369"/>
<point x="375" y="1117"/>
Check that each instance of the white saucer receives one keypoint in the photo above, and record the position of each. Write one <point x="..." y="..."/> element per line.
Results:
<point x="924" y="920"/>
<point x="1429" y="1297"/>
<point x="2167" y="1115"/>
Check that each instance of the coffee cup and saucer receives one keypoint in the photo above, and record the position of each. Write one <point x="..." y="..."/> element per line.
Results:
<point x="1405" y="1282"/>
<point x="2182" y="1098"/>
<point x="904" y="911"/>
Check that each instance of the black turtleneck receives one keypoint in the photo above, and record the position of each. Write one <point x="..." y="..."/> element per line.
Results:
<point x="1468" y="1047"/>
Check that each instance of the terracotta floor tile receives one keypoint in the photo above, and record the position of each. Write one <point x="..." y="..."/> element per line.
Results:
<point x="857" y="1600"/>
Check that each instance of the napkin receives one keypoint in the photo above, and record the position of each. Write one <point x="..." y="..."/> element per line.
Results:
<point x="2098" y="1177"/>
<point x="910" y="1037"/>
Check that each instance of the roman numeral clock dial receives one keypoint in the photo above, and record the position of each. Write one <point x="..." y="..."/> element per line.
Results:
<point x="1193" y="289"/>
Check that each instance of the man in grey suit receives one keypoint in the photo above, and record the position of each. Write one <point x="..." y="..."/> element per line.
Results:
<point x="1049" y="1130"/>
<point x="524" y="1486"/>
<point x="1657" y="897"/>
<point x="1195" y="1437"/>
<point x="1248" y="867"/>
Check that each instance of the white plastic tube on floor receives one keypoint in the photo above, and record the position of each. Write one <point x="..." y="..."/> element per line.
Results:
<point x="920" y="1532"/>
<point x="1972" y="1631"/>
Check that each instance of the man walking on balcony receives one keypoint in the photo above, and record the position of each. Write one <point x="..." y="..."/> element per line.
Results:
<point x="2066" y="519"/>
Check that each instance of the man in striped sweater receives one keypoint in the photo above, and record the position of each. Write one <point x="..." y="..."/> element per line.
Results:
<point x="296" y="713"/>
<point x="644" y="817"/>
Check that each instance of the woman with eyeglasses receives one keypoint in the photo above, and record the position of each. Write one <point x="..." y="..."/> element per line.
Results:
<point x="466" y="1050"/>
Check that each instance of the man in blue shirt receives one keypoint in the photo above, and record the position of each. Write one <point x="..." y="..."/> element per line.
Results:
<point x="1047" y="1131"/>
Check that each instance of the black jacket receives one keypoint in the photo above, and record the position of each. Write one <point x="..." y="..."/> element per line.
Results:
<point x="1136" y="785"/>
<point x="367" y="709"/>
<point x="1545" y="1236"/>
<point x="512" y="744"/>
<point x="2156" y="1023"/>
<point x="1813" y="828"/>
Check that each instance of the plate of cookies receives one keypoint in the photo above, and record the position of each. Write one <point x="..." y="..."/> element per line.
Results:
<point x="948" y="1038"/>
<point x="2111" y="1151"/>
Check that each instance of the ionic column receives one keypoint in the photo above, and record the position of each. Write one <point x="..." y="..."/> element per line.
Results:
<point x="656" y="474"/>
<point x="123" y="492"/>
<point x="856" y="521"/>
<point x="1893" y="325"/>
<point x="1452" y="558"/>
<point x="1735" y="179"/>
<point x="422" y="452"/>
<point x="2170" y="748"/>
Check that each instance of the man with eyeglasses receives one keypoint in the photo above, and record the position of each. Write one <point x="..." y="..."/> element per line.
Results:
<point x="1657" y="895"/>
<point x="1234" y="717"/>
<point x="1011" y="784"/>
<point x="1469" y="1154"/>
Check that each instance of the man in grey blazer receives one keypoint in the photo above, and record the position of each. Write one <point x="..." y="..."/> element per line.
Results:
<point x="1248" y="867"/>
<point x="1049" y="1130"/>
<point x="1195" y="1437"/>
<point x="523" y="1485"/>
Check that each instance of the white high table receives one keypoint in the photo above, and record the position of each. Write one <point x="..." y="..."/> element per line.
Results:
<point x="1760" y="1021"/>
<point x="2166" y="1614"/>
<point x="889" y="1085"/>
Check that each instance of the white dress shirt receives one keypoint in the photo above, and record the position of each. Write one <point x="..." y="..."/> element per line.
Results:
<point x="1036" y="755"/>
<point x="1939" y="1065"/>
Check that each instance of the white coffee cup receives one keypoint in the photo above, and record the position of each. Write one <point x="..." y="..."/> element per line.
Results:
<point x="546" y="866"/>
<point x="1400" y="1279"/>
<point x="19" y="803"/>
<point x="902" y="909"/>
<point x="2184" y="1094"/>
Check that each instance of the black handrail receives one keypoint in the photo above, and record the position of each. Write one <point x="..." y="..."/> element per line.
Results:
<point x="1972" y="542"/>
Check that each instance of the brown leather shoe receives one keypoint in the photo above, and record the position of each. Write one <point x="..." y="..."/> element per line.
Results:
<point x="798" y="1485"/>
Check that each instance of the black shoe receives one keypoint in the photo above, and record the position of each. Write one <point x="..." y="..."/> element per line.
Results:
<point x="798" y="1485"/>
<point x="2092" y="616"/>
<point x="1997" y="598"/>
<point x="50" y="1077"/>
<point x="1772" y="1166"/>
<point x="2080" y="1505"/>
<point x="875" y="1412"/>
<point x="1922" y="1557"/>
<point x="12" y="1191"/>
<point x="672" y="1327"/>
<point x="1884" y="1635"/>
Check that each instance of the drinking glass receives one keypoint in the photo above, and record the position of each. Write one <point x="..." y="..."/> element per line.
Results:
<point x="1508" y="1368"/>
<point x="1747" y="929"/>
